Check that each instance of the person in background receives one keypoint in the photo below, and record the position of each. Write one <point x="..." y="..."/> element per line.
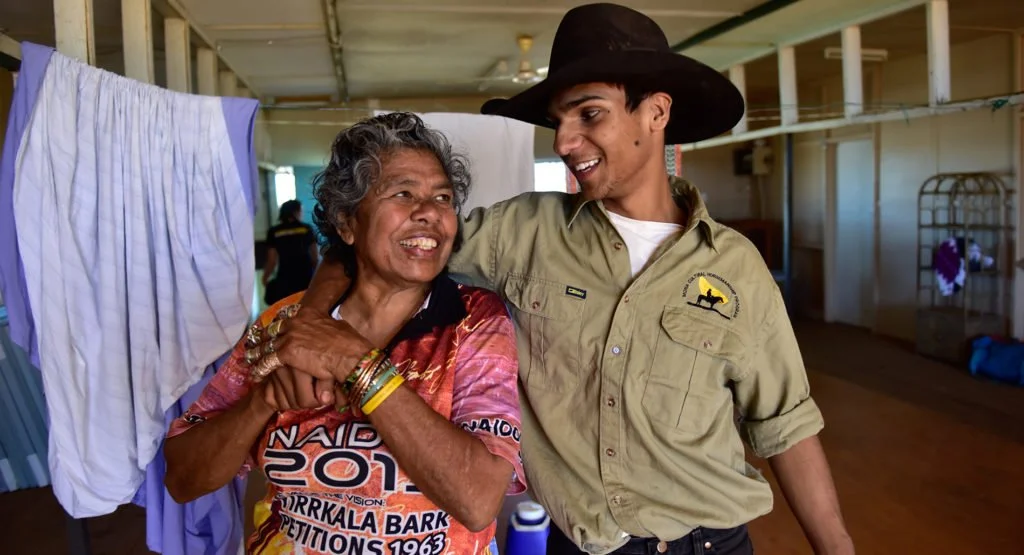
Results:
<point x="420" y="442"/>
<point x="292" y="251"/>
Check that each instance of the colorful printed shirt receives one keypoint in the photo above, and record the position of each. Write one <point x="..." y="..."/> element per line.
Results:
<point x="333" y="487"/>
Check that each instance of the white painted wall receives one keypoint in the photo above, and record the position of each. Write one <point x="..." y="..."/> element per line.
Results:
<point x="912" y="151"/>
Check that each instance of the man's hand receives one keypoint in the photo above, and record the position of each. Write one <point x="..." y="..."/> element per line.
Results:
<point x="318" y="352"/>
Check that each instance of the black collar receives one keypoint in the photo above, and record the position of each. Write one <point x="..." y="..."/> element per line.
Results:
<point x="444" y="308"/>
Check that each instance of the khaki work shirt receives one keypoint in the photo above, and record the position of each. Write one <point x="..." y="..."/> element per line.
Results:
<point x="628" y="385"/>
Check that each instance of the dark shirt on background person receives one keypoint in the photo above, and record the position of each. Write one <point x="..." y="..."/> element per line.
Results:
<point x="292" y="252"/>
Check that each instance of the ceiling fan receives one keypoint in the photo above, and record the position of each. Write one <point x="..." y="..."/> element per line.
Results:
<point x="525" y="75"/>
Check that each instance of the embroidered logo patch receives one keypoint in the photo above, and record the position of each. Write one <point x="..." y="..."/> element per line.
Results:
<point x="575" y="292"/>
<point x="711" y="292"/>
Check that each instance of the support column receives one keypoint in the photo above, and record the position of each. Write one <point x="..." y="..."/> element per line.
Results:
<point x="137" y="32"/>
<point x="206" y="72"/>
<point x="244" y="92"/>
<point x="738" y="77"/>
<point x="1018" y="157"/>
<point x="787" y="85"/>
<point x="228" y="84"/>
<point x="939" y="89"/>
<point x="73" y="28"/>
<point x="787" y="223"/>
<point x="178" y="53"/>
<point x="853" y="77"/>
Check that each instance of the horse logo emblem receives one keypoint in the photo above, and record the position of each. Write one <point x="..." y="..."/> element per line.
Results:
<point x="711" y="297"/>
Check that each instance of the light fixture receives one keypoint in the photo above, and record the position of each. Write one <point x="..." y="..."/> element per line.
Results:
<point x="866" y="54"/>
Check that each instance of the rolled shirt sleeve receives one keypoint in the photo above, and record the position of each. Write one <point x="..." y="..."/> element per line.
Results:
<point x="774" y="396"/>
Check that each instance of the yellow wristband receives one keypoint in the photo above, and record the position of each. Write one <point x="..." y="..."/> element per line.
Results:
<point x="383" y="394"/>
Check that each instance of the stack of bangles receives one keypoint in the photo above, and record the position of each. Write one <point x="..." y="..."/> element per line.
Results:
<point x="372" y="381"/>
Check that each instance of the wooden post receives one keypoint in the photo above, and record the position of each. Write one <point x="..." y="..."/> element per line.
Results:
<point x="137" y="32"/>
<point x="853" y="79"/>
<point x="738" y="77"/>
<point x="206" y="72"/>
<point x="228" y="84"/>
<point x="73" y="28"/>
<point x="787" y="85"/>
<point x="177" y="40"/>
<point x="939" y="90"/>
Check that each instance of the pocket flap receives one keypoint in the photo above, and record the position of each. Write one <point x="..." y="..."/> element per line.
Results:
<point x="542" y="298"/>
<point x="700" y="335"/>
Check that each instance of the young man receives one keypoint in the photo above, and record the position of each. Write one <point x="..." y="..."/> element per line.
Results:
<point x="642" y="323"/>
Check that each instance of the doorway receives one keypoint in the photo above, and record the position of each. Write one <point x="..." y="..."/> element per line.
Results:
<point x="850" y="287"/>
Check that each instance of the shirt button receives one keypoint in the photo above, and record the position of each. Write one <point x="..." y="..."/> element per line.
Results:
<point x="616" y="500"/>
<point x="618" y="246"/>
<point x="707" y="343"/>
<point x="616" y="350"/>
<point x="707" y="545"/>
<point x="535" y="305"/>
<point x="609" y="452"/>
<point x="625" y="299"/>
<point x="662" y="547"/>
<point x="611" y="401"/>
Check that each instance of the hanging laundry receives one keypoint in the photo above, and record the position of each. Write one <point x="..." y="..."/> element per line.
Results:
<point x="976" y="259"/>
<point x="948" y="265"/>
<point x="211" y="524"/>
<point x="132" y="209"/>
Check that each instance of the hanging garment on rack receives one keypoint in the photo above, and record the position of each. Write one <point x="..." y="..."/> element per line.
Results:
<point x="948" y="264"/>
<point x="133" y="208"/>
<point x="211" y="524"/>
<point x="976" y="259"/>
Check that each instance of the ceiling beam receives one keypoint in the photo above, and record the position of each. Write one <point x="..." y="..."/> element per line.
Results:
<point x="516" y="10"/>
<point x="174" y="9"/>
<point x="737" y="20"/>
<point x="910" y="113"/>
<point x="10" y="53"/>
<point x="337" y="51"/>
<point x="812" y="34"/>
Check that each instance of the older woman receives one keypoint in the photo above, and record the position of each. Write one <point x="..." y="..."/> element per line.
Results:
<point x="415" y="451"/>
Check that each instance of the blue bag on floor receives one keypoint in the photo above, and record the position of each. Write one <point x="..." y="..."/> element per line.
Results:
<point x="1001" y="360"/>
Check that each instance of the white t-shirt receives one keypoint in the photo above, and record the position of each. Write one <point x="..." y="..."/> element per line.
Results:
<point x="642" y="238"/>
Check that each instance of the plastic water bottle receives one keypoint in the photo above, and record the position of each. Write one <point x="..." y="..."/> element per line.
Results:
<point x="527" y="530"/>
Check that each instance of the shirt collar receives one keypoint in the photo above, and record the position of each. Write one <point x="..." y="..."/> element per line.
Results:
<point x="685" y="195"/>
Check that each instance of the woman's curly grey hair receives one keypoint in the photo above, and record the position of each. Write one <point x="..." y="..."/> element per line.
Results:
<point x="357" y="157"/>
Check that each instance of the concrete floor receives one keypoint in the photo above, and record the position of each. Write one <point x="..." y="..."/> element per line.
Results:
<point x="927" y="460"/>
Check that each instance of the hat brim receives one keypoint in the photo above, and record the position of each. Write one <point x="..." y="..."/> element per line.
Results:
<point x="705" y="103"/>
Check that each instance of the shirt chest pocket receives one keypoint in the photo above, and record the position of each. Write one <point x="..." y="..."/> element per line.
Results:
<point x="686" y="388"/>
<point x="549" y="324"/>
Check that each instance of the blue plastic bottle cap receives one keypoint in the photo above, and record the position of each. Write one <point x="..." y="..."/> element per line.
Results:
<point x="529" y="511"/>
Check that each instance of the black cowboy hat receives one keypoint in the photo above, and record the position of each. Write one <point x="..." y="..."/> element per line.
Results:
<point x="598" y="43"/>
